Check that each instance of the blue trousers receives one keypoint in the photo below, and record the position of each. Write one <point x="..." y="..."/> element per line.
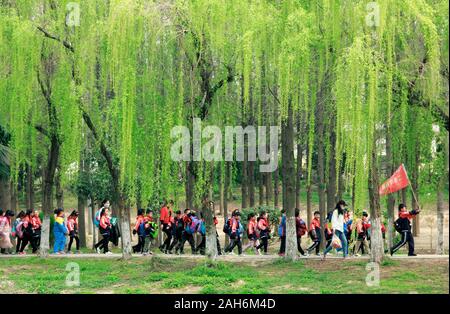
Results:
<point x="60" y="243"/>
<point x="343" y="242"/>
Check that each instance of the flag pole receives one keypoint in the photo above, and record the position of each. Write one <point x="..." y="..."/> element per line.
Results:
<point x="412" y="190"/>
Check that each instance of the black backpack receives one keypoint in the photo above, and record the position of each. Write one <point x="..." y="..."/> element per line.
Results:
<point x="398" y="225"/>
<point x="227" y="226"/>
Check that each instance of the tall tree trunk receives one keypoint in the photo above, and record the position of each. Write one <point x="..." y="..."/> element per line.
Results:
<point x="29" y="187"/>
<point x="226" y="192"/>
<point x="244" y="184"/>
<point x="251" y="183"/>
<point x="440" y="216"/>
<point x="48" y="182"/>
<point x="321" y="165"/>
<point x="221" y="188"/>
<point x="82" y="202"/>
<point x="415" y="187"/>
<point x="299" y="174"/>
<point x="288" y="168"/>
<point x="308" y="194"/>
<point x="211" y="242"/>
<point x="376" y="239"/>
<point x="59" y="192"/>
<point x="390" y="168"/>
<point x="276" y="188"/>
<point x="261" y="178"/>
<point x="14" y="195"/>
<point x="5" y="199"/>
<point x="268" y="187"/>
<point x="331" y="186"/>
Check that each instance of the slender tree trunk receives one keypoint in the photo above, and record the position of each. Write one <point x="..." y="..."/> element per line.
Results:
<point x="440" y="216"/>
<point x="59" y="195"/>
<point x="299" y="175"/>
<point x="211" y="242"/>
<point x="288" y="168"/>
<point x="321" y="166"/>
<point x="244" y="184"/>
<point x="276" y="188"/>
<point x="5" y="199"/>
<point x="308" y="194"/>
<point x="261" y="187"/>
<point x="221" y="188"/>
<point x="251" y="183"/>
<point x="415" y="187"/>
<point x="268" y="187"/>
<point x="82" y="202"/>
<point x="14" y="195"/>
<point x="30" y="187"/>
<point x="227" y="192"/>
<point x="48" y="183"/>
<point x="331" y="186"/>
<point x="391" y="197"/>
<point x="376" y="239"/>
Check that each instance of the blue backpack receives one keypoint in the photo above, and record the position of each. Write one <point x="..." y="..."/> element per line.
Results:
<point x="282" y="226"/>
<point x="192" y="227"/>
<point x="141" y="229"/>
<point x="227" y="226"/>
<point x="202" y="228"/>
<point x="97" y="217"/>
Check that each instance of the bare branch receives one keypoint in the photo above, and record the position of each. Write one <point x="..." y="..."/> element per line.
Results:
<point x="64" y="42"/>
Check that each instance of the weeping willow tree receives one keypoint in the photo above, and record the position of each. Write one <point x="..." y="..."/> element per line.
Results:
<point x="365" y="90"/>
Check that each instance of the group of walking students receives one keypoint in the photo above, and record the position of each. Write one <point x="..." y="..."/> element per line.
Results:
<point x="181" y="227"/>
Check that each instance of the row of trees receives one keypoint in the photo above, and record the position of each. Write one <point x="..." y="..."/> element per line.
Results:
<point x="90" y="92"/>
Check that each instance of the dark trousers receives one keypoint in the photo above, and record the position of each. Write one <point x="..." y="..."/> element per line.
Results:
<point x="264" y="238"/>
<point x="219" y="250"/>
<point x="233" y="243"/>
<point x="282" y="245"/>
<point x="77" y="241"/>
<point x="406" y="237"/>
<point x="18" y="244"/>
<point x="138" y="248"/>
<point x="175" y="241"/>
<point x="103" y="243"/>
<point x="167" y="230"/>
<point x="186" y="237"/>
<point x="315" y="245"/>
<point x="299" y="245"/>
<point x="27" y="238"/>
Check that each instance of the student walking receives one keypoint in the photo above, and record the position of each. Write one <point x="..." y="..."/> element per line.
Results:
<point x="403" y="226"/>
<point x="252" y="234"/>
<point x="337" y="221"/>
<point x="236" y="232"/>
<point x="27" y="234"/>
<point x="315" y="233"/>
<point x="35" y="230"/>
<point x="150" y="232"/>
<point x="72" y="227"/>
<point x="17" y="230"/>
<point x="5" y="232"/>
<point x="362" y="230"/>
<point x="164" y="218"/>
<point x="301" y="230"/>
<point x="139" y="229"/>
<point x="187" y="234"/>
<point x="59" y="232"/>
<point x="282" y="233"/>
<point x="104" y="230"/>
<point x="264" y="231"/>
<point x="177" y="231"/>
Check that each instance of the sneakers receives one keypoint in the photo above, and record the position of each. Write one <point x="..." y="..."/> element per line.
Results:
<point x="412" y="254"/>
<point x="108" y="253"/>
<point x="281" y="254"/>
<point x="98" y="250"/>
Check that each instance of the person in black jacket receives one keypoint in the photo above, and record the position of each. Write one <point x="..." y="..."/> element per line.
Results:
<point x="403" y="225"/>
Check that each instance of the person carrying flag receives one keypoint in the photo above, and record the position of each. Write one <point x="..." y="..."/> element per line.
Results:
<point x="403" y="226"/>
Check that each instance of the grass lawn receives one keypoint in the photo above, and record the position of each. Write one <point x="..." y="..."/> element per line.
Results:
<point x="160" y="275"/>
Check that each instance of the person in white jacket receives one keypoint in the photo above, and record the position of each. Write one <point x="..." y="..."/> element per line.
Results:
<point x="337" y="222"/>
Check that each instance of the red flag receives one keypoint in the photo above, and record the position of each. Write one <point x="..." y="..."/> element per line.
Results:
<point x="397" y="181"/>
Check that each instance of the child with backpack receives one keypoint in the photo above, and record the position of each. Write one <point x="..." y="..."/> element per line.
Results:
<point x="301" y="230"/>
<point x="202" y="230"/>
<point x="315" y="233"/>
<point x="35" y="230"/>
<point x="150" y="232"/>
<point x="235" y="235"/>
<point x="282" y="233"/>
<point x="27" y="233"/>
<point x="187" y="234"/>
<point x="164" y="218"/>
<point x="139" y="229"/>
<point x="72" y="227"/>
<point x="362" y="228"/>
<point x="252" y="234"/>
<point x="16" y="230"/>
<point x="5" y="231"/>
<point x="104" y="230"/>
<point x="403" y="226"/>
<point x="59" y="231"/>
<point x="262" y="225"/>
<point x="177" y="231"/>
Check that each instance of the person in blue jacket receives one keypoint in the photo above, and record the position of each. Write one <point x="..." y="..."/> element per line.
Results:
<point x="59" y="231"/>
<point x="282" y="233"/>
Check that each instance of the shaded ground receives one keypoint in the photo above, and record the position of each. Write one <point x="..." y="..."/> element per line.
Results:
<point x="250" y="274"/>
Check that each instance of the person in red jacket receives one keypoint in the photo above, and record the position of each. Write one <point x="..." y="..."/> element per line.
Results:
<point x="27" y="232"/>
<point x="164" y="218"/>
<point x="262" y="225"/>
<point x="35" y="230"/>
<point x="72" y="227"/>
<point x="301" y="229"/>
<point x="403" y="225"/>
<point x="105" y="231"/>
<point x="138" y="229"/>
<point x="252" y="234"/>
<point x="186" y="236"/>
<point x="315" y="232"/>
